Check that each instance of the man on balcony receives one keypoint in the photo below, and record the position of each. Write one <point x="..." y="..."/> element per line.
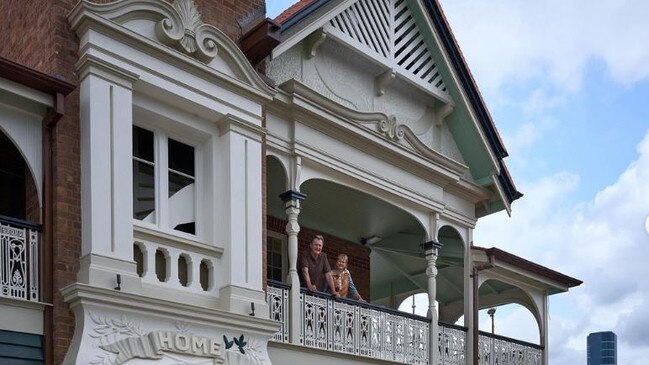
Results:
<point x="316" y="272"/>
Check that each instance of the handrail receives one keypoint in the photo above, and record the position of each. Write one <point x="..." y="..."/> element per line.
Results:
<point x="278" y="284"/>
<point x="453" y="326"/>
<point x="367" y="305"/>
<point x="380" y="308"/>
<point x="20" y="223"/>
<point x="509" y="339"/>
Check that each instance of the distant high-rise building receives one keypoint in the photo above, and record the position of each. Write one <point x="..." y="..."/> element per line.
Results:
<point x="602" y="348"/>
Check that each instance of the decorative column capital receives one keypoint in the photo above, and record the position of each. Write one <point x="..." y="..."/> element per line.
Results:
<point x="431" y="247"/>
<point x="292" y="195"/>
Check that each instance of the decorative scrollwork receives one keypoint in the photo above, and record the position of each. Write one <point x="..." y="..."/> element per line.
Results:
<point x="391" y="128"/>
<point x="186" y="32"/>
<point x="499" y="351"/>
<point x="19" y="268"/>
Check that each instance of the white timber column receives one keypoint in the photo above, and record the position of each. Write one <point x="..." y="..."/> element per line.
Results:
<point x="106" y="174"/>
<point x="468" y="300"/>
<point x="431" y="249"/>
<point x="239" y="217"/>
<point x="545" y="338"/>
<point x="292" y="201"/>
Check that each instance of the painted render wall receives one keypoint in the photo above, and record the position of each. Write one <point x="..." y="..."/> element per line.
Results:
<point x="344" y="77"/>
<point x="36" y="34"/>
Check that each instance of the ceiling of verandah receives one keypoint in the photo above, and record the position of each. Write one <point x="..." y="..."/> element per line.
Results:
<point x="397" y="263"/>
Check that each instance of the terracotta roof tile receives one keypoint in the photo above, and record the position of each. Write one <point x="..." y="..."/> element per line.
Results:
<point x="293" y="9"/>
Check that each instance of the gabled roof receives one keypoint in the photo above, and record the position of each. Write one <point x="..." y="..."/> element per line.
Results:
<point x="301" y="10"/>
<point x="521" y="263"/>
<point x="293" y="10"/>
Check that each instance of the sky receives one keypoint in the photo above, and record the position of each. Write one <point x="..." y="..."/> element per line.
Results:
<point x="567" y="84"/>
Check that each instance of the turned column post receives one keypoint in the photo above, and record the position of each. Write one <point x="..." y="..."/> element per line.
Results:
<point x="431" y="250"/>
<point x="292" y="201"/>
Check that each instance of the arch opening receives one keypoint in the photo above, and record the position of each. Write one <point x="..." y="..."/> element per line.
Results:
<point x="382" y="241"/>
<point x="516" y="315"/>
<point x="18" y="192"/>
<point x="450" y="275"/>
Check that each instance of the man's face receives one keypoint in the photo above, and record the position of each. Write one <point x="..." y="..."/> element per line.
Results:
<point x="316" y="247"/>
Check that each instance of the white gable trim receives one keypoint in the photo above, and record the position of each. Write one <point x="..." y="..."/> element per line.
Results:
<point x="462" y="92"/>
<point x="179" y="32"/>
<point x="384" y="32"/>
<point x="297" y="33"/>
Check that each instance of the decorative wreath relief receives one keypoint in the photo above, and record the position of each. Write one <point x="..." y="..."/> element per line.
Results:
<point x="108" y="331"/>
<point x="186" y="32"/>
<point x="391" y="128"/>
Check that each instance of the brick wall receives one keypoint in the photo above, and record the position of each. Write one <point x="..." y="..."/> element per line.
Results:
<point x="233" y="17"/>
<point x="32" y="206"/>
<point x="35" y="33"/>
<point x="359" y="256"/>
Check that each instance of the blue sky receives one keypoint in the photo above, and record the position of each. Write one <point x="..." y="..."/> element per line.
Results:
<point x="567" y="83"/>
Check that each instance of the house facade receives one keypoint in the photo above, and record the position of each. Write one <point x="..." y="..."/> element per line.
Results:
<point x="158" y="190"/>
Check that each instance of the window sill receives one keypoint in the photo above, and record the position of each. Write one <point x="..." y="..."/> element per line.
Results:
<point x="14" y="302"/>
<point x="148" y="234"/>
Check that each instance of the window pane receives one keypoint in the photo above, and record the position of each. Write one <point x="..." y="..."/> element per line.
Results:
<point x="143" y="192"/>
<point x="143" y="144"/>
<point x="181" y="203"/>
<point x="181" y="157"/>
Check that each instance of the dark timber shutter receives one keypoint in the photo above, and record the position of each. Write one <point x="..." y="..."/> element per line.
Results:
<point x="17" y="348"/>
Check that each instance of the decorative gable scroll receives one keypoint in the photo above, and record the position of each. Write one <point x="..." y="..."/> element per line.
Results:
<point x="178" y="26"/>
<point x="185" y="31"/>
<point x="387" y="30"/>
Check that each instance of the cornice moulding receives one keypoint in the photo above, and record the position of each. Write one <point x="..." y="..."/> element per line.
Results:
<point x="321" y="157"/>
<point x="80" y="294"/>
<point x="177" y="27"/>
<point x="386" y="124"/>
<point x="231" y="123"/>
<point x="91" y="64"/>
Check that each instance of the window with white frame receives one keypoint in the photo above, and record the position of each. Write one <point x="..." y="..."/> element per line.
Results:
<point x="276" y="260"/>
<point x="164" y="181"/>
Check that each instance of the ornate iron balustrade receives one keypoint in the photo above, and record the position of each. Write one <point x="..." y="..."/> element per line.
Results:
<point x="499" y="350"/>
<point x="277" y="299"/>
<point x="452" y="344"/>
<point x="362" y="329"/>
<point x="367" y="330"/>
<point x="19" y="259"/>
<point x="351" y="327"/>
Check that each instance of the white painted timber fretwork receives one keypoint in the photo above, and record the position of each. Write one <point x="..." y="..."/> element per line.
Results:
<point x="388" y="30"/>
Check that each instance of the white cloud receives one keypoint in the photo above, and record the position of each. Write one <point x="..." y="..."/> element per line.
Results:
<point x="601" y="241"/>
<point x="551" y="41"/>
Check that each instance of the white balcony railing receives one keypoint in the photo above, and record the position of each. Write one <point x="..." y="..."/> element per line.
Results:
<point x="19" y="259"/>
<point x="499" y="350"/>
<point x="352" y="327"/>
<point x="452" y="344"/>
<point x="367" y="330"/>
<point x="277" y="298"/>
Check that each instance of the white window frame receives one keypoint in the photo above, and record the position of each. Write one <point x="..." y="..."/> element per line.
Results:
<point x="161" y="178"/>
<point x="284" y="239"/>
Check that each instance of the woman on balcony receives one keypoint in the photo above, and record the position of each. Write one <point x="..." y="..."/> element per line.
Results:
<point x="343" y="280"/>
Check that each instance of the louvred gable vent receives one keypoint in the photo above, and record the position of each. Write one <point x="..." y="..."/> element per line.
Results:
<point x="388" y="29"/>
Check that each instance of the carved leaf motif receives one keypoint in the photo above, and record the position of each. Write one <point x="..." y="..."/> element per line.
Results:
<point x="183" y="327"/>
<point x="185" y="31"/>
<point x="107" y="327"/>
<point x="191" y="19"/>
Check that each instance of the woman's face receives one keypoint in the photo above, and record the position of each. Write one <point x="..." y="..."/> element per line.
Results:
<point x="341" y="264"/>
